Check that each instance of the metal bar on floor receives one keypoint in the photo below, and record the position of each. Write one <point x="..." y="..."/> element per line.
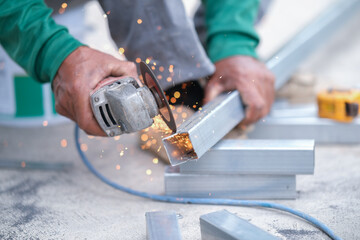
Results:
<point x="205" y="128"/>
<point x="300" y="121"/>
<point x="243" y="156"/>
<point x="223" y="225"/>
<point x="319" y="129"/>
<point x="285" y="60"/>
<point x="162" y="225"/>
<point x="232" y="186"/>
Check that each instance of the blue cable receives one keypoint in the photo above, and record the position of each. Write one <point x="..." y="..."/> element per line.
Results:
<point x="208" y="201"/>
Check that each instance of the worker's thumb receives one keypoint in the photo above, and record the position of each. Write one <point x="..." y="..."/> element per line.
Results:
<point x="119" y="68"/>
<point x="212" y="90"/>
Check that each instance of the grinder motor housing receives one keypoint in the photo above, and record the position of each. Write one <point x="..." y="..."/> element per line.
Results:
<point x="123" y="106"/>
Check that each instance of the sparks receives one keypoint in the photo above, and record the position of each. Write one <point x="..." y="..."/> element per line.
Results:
<point x="159" y="126"/>
<point x="177" y="94"/>
<point x="84" y="147"/>
<point x="144" y="137"/>
<point x="63" y="143"/>
<point x="182" y="143"/>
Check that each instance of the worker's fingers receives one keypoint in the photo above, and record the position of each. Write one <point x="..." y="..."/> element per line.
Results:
<point x="86" y="120"/>
<point x="255" y="109"/>
<point x="270" y="89"/>
<point x="251" y="78"/>
<point x="62" y="111"/>
<point x="213" y="89"/>
<point x="81" y="107"/>
<point x="118" y="68"/>
<point x="265" y="86"/>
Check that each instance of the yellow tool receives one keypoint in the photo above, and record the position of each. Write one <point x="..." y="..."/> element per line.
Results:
<point x="339" y="105"/>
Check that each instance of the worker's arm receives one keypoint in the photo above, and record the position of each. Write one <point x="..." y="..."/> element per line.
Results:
<point x="49" y="53"/>
<point x="32" y="38"/>
<point x="231" y="44"/>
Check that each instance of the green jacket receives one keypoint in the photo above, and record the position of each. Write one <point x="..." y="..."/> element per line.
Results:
<point x="32" y="38"/>
<point x="230" y="28"/>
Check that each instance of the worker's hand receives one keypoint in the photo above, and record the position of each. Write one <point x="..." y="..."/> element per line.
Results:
<point x="251" y="78"/>
<point x="77" y="76"/>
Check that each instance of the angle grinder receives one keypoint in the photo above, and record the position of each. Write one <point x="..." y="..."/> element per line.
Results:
<point x="122" y="106"/>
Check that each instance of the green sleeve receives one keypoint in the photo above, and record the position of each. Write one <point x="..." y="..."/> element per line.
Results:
<point x="230" y="28"/>
<point x="32" y="38"/>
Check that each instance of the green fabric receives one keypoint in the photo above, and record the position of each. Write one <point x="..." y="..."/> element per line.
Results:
<point x="29" y="101"/>
<point x="53" y="102"/>
<point x="32" y="38"/>
<point x="230" y="28"/>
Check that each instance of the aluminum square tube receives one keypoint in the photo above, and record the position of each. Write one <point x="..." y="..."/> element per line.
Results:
<point x="235" y="186"/>
<point x="204" y="128"/>
<point x="223" y="225"/>
<point x="301" y="121"/>
<point x="321" y="130"/>
<point x="285" y="61"/>
<point x="162" y="225"/>
<point x="242" y="156"/>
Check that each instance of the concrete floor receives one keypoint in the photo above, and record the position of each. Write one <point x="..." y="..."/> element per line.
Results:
<point x="73" y="204"/>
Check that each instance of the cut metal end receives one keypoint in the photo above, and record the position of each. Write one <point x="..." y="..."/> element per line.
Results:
<point x="179" y="148"/>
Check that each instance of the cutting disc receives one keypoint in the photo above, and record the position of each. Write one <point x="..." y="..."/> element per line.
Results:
<point x="152" y="83"/>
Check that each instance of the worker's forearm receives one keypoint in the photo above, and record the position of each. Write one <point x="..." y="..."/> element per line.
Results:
<point x="32" y="38"/>
<point x="230" y="28"/>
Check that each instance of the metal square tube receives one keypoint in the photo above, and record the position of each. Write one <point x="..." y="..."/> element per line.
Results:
<point x="162" y="225"/>
<point x="243" y="156"/>
<point x="234" y="186"/>
<point x="204" y="128"/>
<point x="223" y="225"/>
<point x="319" y="129"/>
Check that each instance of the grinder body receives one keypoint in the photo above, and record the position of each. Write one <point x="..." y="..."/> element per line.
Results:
<point x="123" y="106"/>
